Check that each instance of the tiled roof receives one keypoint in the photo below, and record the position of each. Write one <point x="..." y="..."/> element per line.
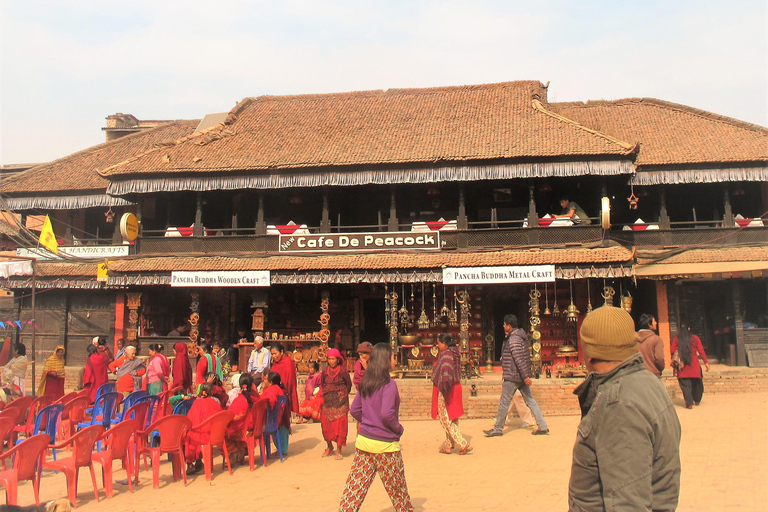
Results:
<point x="448" y="124"/>
<point x="597" y="256"/>
<point x="58" y="269"/>
<point x="708" y="255"/>
<point x="670" y="133"/>
<point x="78" y="172"/>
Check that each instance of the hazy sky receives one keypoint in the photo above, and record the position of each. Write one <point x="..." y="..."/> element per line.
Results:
<point x="65" y="65"/>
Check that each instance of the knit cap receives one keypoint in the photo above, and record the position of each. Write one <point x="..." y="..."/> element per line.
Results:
<point x="608" y="333"/>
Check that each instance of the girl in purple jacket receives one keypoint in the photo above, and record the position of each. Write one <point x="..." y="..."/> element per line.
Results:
<point x="377" y="407"/>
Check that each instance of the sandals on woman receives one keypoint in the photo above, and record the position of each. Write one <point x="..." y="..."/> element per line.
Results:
<point x="465" y="450"/>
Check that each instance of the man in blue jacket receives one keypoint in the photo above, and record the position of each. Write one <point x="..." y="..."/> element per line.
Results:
<point x="516" y="363"/>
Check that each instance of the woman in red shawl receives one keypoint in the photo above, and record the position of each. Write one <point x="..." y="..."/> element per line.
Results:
<point x="689" y="376"/>
<point x="202" y="408"/>
<point x="285" y="366"/>
<point x="446" y="394"/>
<point x="272" y="388"/>
<point x="242" y="422"/>
<point x="182" y="369"/>
<point x="336" y="385"/>
<point x="96" y="372"/>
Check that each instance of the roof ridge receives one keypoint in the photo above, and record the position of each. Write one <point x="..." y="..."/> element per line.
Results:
<point x="103" y="172"/>
<point x="631" y="148"/>
<point x="669" y="105"/>
<point x="393" y="91"/>
<point x="93" y="149"/>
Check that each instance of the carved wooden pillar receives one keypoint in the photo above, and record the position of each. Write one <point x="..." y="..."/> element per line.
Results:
<point x="134" y="302"/>
<point x="197" y="230"/>
<point x="533" y="218"/>
<point x="393" y="224"/>
<point x="462" y="220"/>
<point x="463" y="299"/>
<point x="325" y="221"/>
<point x="68" y="233"/>
<point x="728" y="220"/>
<point x="261" y="227"/>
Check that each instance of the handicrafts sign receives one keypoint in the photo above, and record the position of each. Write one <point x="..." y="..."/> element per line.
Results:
<point x="337" y="242"/>
<point x="80" y="251"/>
<point x="220" y="278"/>
<point x="499" y="275"/>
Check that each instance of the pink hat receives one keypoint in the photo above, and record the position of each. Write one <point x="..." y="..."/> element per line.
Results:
<point x="334" y="352"/>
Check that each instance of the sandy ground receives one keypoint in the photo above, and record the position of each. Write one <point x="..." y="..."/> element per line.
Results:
<point x="724" y="454"/>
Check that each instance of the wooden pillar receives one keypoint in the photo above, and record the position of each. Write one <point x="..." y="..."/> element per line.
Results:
<point x="197" y="230"/>
<point x="662" y="306"/>
<point x="139" y="214"/>
<point x="663" y="215"/>
<point x="235" y="211"/>
<point x="117" y="239"/>
<point x="134" y="302"/>
<point x="261" y="227"/>
<point x="533" y="218"/>
<point x="169" y="208"/>
<point x="325" y="221"/>
<point x="393" y="224"/>
<point x="119" y="320"/>
<point x="461" y="222"/>
<point x="741" y="353"/>
<point x="68" y="240"/>
<point x="728" y="220"/>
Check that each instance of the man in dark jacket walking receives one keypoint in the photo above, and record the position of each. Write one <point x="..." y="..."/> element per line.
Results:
<point x="516" y="364"/>
<point x="627" y="451"/>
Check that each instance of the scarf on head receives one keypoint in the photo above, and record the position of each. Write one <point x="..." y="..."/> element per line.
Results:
<point x="52" y="364"/>
<point x="447" y="370"/>
<point x="182" y="369"/>
<point x="127" y="367"/>
<point x="214" y="365"/>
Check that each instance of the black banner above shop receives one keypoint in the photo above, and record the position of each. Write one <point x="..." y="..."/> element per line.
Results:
<point x="351" y="242"/>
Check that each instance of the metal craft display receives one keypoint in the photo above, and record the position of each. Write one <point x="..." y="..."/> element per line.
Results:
<point x="608" y="293"/>
<point x="572" y="314"/>
<point x="547" y="312"/>
<point x="423" y="322"/>
<point x="463" y="299"/>
<point x="453" y="317"/>
<point x="535" y="309"/>
<point x="393" y="327"/>
<point x="589" y="299"/>
<point x="556" y="307"/>
<point x="435" y="316"/>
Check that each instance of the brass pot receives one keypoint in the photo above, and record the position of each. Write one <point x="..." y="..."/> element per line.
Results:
<point x="408" y="339"/>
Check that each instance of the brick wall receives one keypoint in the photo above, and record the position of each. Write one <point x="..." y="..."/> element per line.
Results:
<point x="555" y="396"/>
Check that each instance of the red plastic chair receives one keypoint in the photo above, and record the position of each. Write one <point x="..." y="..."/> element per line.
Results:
<point x="73" y="413"/>
<point x="27" y="464"/>
<point x="22" y="402"/>
<point x="27" y="427"/>
<point x="66" y="398"/>
<point x="119" y="445"/>
<point x="258" y="417"/>
<point x="11" y="412"/>
<point x="172" y="430"/>
<point x="6" y="426"/>
<point x="82" y="455"/>
<point x="216" y="426"/>
<point x="164" y="407"/>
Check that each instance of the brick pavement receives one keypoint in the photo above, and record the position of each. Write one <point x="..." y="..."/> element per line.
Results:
<point x="724" y="452"/>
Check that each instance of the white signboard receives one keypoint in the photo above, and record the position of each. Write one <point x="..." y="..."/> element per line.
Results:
<point x="499" y="275"/>
<point x="220" y="278"/>
<point x="96" y="252"/>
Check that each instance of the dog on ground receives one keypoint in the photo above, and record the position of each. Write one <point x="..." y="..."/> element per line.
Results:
<point x="62" y="505"/>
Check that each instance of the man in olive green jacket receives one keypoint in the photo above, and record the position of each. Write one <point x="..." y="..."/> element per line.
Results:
<point x="627" y="451"/>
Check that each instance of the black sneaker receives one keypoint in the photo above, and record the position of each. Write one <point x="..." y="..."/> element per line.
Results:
<point x="493" y="433"/>
<point x="540" y="432"/>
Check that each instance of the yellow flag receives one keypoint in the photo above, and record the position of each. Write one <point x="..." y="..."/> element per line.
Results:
<point x="47" y="238"/>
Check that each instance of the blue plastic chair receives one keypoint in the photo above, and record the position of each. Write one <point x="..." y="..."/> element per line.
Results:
<point x="109" y="387"/>
<point x="273" y="425"/>
<point x="128" y="402"/>
<point x="154" y="402"/>
<point x="183" y="406"/>
<point x="47" y="422"/>
<point x="103" y="410"/>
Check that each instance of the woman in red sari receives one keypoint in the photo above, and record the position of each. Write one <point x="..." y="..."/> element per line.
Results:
<point x="202" y="408"/>
<point x="446" y="394"/>
<point x="285" y="366"/>
<point x="182" y="369"/>
<point x="272" y="388"/>
<point x="242" y="422"/>
<point x="96" y="372"/>
<point x="689" y="376"/>
<point x="336" y="385"/>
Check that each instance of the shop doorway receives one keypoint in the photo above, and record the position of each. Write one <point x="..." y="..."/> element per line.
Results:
<point x="374" y="329"/>
<point x="505" y="305"/>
